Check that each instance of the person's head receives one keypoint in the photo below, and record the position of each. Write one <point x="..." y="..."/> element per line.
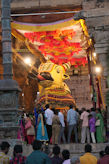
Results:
<point x="18" y="149"/>
<point x="27" y="115"/>
<point x="56" y="112"/>
<point x="53" y="109"/>
<point x="71" y="106"/>
<point x="88" y="148"/>
<point x="83" y="109"/>
<point x="98" y="110"/>
<point x="101" y="154"/>
<point x="80" y="112"/>
<point x="75" y="160"/>
<point x="88" y="110"/>
<point x="56" y="150"/>
<point x="5" y="147"/>
<point x="77" y="110"/>
<point x="107" y="150"/>
<point x="92" y="110"/>
<point x="90" y="116"/>
<point x="37" y="145"/>
<point x="47" y="106"/>
<point x="65" y="154"/>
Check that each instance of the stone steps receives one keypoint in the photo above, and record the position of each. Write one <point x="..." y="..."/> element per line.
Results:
<point x="75" y="149"/>
<point x="78" y="149"/>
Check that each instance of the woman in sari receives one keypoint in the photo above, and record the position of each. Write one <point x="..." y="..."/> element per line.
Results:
<point x="30" y="131"/>
<point x="41" y="128"/>
<point x="100" y="127"/>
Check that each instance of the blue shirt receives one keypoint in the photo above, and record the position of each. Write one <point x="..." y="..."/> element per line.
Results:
<point x="72" y="117"/>
<point x="38" y="157"/>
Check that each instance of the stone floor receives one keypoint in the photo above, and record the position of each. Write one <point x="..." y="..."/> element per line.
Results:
<point x="75" y="149"/>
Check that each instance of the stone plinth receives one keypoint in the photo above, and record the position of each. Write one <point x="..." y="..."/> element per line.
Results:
<point x="8" y="109"/>
<point x="75" y="149"/>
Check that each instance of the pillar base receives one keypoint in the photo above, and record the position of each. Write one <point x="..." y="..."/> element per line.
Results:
<point x="9" y="90"/>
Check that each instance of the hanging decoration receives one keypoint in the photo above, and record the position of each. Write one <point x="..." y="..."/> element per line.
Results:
<point x="57" y="45"/>
<point x="56" y="41"/>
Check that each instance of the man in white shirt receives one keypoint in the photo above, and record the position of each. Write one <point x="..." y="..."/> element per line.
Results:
<point x="85" y="127"/>
<point x="49" y="116"/>
<point x="61" y="135"/>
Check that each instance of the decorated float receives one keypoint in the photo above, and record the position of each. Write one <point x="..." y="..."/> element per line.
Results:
<point x="59" y="45"/>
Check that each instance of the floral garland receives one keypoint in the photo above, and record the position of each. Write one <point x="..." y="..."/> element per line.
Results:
<point x="56" y="92"/>
<point x="56" y="102"/>
<point x="67" y="98"/>
<point x="57" y="46"/>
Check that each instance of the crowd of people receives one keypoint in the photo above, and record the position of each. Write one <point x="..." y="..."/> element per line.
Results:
<point x="41" y="156"/>
<point x="55" y="127"/>
<point x="51" y="126"/>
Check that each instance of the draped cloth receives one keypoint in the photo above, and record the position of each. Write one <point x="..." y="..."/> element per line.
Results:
<point x="41" y="130"/>
<point x="101" y="102"/>
<point x="42" y="122"/>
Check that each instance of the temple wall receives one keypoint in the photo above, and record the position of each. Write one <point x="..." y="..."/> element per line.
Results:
<point x="97" y="21"/>
<point x="96" y="13"/>
<point x="43" y="3"/>
<point x="80" y="90"/>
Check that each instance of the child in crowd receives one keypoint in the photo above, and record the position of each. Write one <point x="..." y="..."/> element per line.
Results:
<point x="18" y="158"/>
<point x="66" y="156"/>
<point x="56" y="155"/>
<point x="92" y="127"/>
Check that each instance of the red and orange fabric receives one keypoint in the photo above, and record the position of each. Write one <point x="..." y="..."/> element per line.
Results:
<point x="56" y="41"/>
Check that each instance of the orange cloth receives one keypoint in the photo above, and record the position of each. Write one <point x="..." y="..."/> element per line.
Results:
<point x="88" y="158"/>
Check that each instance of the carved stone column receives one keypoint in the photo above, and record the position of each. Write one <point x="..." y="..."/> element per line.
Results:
<point x="98" y="27"/>
<point x="100" y="34"/>
<point x="8" y="87"/>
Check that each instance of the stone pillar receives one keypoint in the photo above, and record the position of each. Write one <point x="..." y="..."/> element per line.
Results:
<point x="98" y="28"/>
<point x="100" y="35"/>
<point x="8" y="87"/>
